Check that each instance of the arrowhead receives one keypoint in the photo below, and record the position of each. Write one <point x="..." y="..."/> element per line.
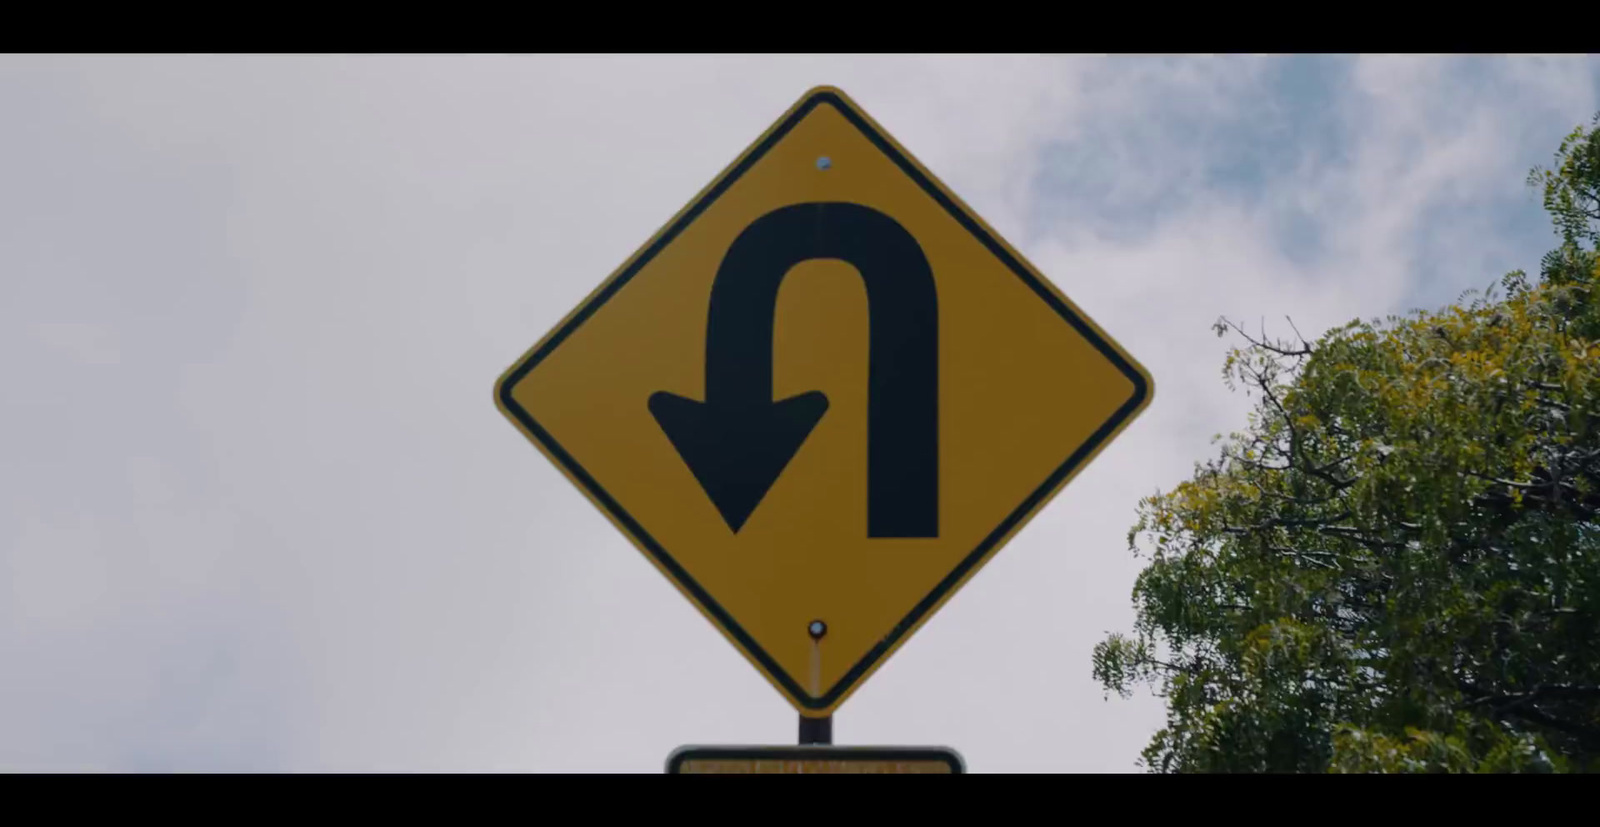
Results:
<point x="737" y="452"/>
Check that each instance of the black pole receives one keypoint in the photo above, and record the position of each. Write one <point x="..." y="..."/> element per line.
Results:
<point x="816" y="730"/>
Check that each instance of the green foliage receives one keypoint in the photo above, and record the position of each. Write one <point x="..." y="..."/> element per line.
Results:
<point x="1396" y="566"/>
<point x="1572" y="189"/>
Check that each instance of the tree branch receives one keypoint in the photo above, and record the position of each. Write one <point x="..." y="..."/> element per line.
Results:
<point x="1264" y="345"/>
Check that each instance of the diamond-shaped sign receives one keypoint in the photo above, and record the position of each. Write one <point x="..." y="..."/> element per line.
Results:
<point x="822" y="397"/>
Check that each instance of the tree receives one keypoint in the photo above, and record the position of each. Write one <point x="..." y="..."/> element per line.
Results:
<point x="1396" y="565"/>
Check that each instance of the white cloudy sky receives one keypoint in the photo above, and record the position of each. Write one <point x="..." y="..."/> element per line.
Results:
<point x="258" y="511"/>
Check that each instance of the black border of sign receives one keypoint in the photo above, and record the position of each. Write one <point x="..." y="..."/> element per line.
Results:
<point x="884" y="145"/>
<point x="679" y="756"/>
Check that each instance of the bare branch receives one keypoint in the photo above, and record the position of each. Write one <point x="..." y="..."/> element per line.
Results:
<point x="1520" y="486"/>
<point x="1262" y="342"/>
<point x="1305" y="344"/>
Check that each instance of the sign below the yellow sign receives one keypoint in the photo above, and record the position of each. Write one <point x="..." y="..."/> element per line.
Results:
<point x="815" y="760"/>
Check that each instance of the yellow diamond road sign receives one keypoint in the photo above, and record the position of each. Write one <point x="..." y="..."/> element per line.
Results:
<point x="822" y="397"/>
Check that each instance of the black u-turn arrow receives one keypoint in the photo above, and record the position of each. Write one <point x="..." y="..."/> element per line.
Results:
<point x="739" y="439"/>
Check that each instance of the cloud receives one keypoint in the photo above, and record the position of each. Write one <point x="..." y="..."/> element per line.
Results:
<point x="259" y="513"/>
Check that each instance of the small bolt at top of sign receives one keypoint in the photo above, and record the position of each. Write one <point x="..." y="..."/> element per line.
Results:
<point x="817" y="629"/>
<point x="824" y="162"/>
